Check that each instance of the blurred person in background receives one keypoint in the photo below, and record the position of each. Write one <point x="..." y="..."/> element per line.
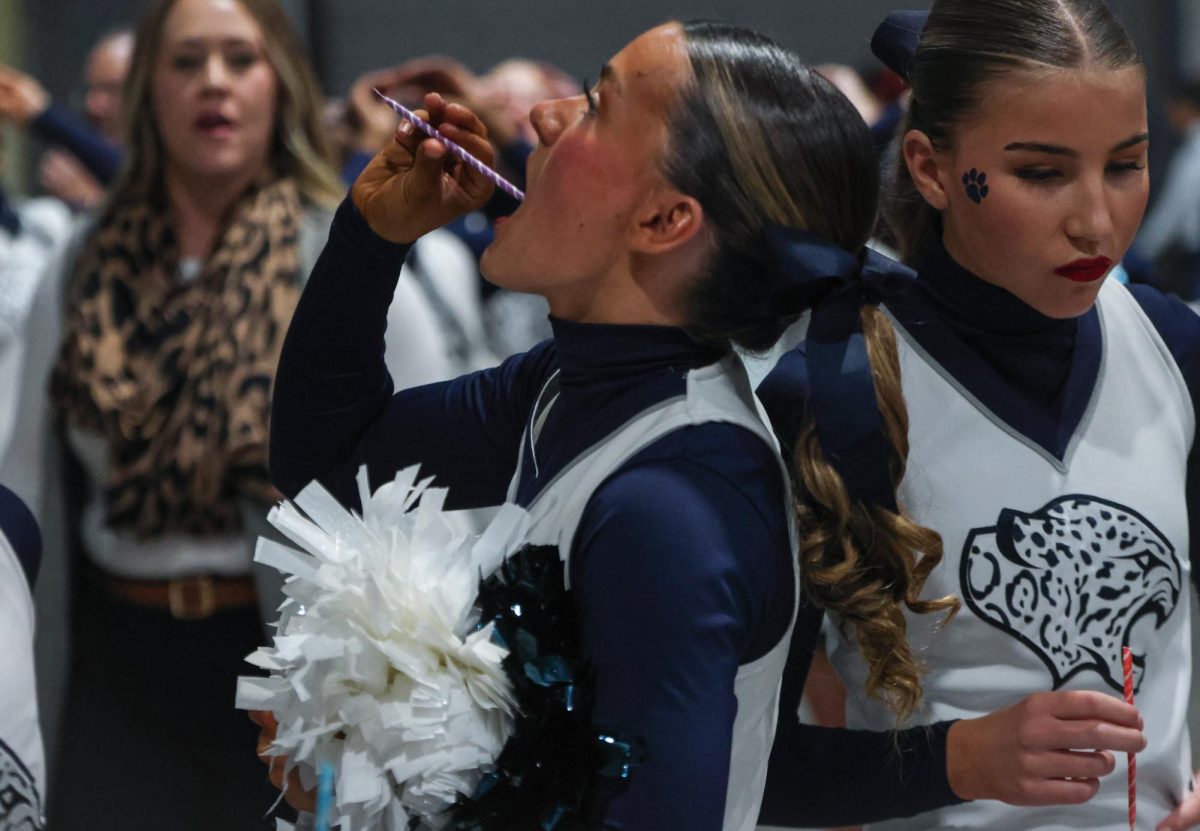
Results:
<point x="85" y="155"/>
<point x="61" y="172"/>
<point x="850" y="84"/>
<point x="1169" y="242"/>
<point x="178" y="297"/>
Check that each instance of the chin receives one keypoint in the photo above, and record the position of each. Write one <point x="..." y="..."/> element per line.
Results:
<point x="1075" y="304"/>
<point x="489" y="266"/>
<point x="495" y="270"/>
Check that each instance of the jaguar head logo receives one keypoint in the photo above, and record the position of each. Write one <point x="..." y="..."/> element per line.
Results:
<point x="20" y="805"/>
<point x="1070" y="580"/>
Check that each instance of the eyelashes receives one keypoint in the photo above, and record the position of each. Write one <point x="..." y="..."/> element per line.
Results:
<point x="589" y="93"/>
<point x="1047" y="174"/>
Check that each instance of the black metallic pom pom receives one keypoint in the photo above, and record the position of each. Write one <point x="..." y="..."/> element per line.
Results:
<point x="556" y="767"/>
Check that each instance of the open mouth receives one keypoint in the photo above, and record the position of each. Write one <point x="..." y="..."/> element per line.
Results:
<point x="214" y="124"/>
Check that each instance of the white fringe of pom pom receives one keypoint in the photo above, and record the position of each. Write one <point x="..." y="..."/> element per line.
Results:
<point x="376" y="667"/>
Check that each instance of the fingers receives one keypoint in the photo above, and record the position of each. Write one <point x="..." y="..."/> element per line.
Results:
<point x="1071" y="764"/>
<point x="276" y="770"/>
<point x="457" y="115"/>
<point x="423" y="185"/>
<point x="1086" y="704"/>
<point x="1059" y="734"/>
<point x="429" y="158"/>
<point x="264" y="719"/>
<point x="1062" y="791"/>
<point x="290" y="783"/>
<point x="475" y="144"/>
<point x="1186" y="816"/>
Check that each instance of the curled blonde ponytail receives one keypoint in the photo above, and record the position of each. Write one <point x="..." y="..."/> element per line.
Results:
<point x="860" y="562"/>
<point x="763" y="141"/>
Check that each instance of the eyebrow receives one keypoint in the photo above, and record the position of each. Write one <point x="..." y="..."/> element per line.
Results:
<point x="607" y="73"/>
<point x="236" y="40"/>
<point x="1059" y="150"/>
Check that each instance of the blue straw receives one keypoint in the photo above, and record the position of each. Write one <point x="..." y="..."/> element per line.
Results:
<point x="324" y="796"/>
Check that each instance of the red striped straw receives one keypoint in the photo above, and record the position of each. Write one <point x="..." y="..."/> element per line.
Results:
<point x="1127" y="664"/>
<point x="433" y="132"/>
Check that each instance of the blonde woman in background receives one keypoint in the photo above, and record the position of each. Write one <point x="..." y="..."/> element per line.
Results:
<point x="177" y="301"/>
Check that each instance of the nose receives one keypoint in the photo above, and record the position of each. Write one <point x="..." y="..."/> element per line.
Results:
<point x="549" y="118"/>
<point x="216" y="73"/>
<point x="95" y="103"/>
<point x="1091" y="220"/>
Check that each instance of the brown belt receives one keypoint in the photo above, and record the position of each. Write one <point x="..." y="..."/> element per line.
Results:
<point x="186" y="598"/>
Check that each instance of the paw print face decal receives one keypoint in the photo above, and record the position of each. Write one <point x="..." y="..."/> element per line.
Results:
<point x="976" y="185"/>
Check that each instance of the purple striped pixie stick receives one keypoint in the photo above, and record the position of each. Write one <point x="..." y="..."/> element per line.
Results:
<point x="431" y="131"/>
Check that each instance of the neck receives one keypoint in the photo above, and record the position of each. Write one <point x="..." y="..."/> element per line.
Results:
<point x="200" y="207"/>
<point x="641" y="291"/>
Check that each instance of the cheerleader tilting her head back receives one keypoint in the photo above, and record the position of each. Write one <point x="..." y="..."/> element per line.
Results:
<point x="671" y="212"/>
<point x="1050" y="425"/>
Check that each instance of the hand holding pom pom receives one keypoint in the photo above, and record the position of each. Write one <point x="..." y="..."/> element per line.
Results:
<point x="378" y="667"/>
<point x="439" y="677"/>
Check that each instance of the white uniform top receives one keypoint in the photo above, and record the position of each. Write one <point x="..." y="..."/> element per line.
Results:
<point x="716" y="393"/>
<point x="22" y="763"/>
<point x="1058" y="564"/>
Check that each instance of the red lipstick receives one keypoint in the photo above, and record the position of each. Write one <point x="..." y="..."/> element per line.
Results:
<point x="1085" y="271"/>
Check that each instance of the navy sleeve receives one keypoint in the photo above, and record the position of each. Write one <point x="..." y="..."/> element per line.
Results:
<point x="333" y="408"/>
<point x="829" y="776"/>
<point x="58" y="126"/>
<point x="822" y="776"/>
<point x="1179" y="327"/>
<point x="21" y="529"/>
<point x="681" y="576"/>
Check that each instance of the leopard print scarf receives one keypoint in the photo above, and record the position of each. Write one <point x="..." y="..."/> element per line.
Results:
<point x="176" y="375"/>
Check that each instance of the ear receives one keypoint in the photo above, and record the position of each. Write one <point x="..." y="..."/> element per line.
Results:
<point x="925" y="166"/>
<point x="666" y="222"/>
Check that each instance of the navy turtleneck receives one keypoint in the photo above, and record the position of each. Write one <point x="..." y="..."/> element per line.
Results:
<point x="1034" y="373"/>
<point x="1028" y="349"/>
<point x="681" y="563"/>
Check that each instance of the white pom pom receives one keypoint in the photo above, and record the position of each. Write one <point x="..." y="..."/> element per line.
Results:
<point x="377" y="667"/>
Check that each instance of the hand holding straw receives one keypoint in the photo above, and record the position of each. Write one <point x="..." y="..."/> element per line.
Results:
<point x="431" y="131"/>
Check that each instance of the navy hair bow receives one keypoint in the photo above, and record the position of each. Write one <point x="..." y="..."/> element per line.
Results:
<point x="895" y="41"/>
<point x="833" y="283"/>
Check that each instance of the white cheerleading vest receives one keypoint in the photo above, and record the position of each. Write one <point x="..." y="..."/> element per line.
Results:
<point x="720" y="392"/>
<point x="1056" y="563"/>
<point x="22" y="764"/>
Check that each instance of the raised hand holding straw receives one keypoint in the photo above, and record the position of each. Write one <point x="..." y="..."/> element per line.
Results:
<point x="431" y="131"/>
<point x="1131" y="758"/>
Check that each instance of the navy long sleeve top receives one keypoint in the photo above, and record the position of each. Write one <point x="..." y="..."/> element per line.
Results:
<point x="59" y="126"/>
<point x="832" y="777"/>
<point x="681" y="562"/>
<point x="21" y="530"/>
